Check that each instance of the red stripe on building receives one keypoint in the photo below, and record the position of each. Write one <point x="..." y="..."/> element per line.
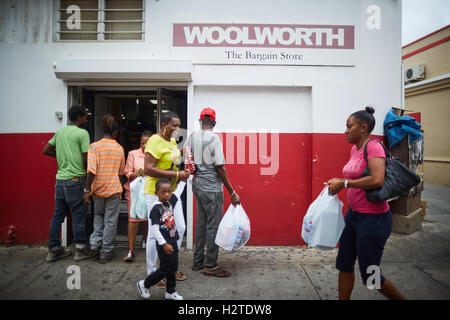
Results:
<point x="431" y="45"/>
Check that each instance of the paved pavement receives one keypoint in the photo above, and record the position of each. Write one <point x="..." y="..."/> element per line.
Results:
<point x="418" y="265"/>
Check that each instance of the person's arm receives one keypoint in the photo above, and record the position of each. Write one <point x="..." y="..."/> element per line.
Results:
<point x="377" y="168"/>
<point x="87" y="193"/>
<point x="157" y="234"/>
<point x="49" y="150"/>
<point x="129" y="167"/>
<point x="223" y="174"/>
<point x="84" y="155"/>
<point x="179" y="189"/>
<point x="151" y="170"/>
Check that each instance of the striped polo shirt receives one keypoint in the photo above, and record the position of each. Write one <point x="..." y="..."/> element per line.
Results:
<point x="106" y="160"/>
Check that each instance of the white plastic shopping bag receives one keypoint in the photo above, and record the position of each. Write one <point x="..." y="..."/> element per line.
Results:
<point x="138" y="208"/>
<point x="234" y="229"/>
<point x="323" y="223"/>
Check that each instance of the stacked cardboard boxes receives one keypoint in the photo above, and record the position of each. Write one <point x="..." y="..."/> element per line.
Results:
<point x="407" y="212"/>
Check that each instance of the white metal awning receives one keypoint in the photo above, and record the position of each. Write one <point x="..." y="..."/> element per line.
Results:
<point x="123" y="70"/>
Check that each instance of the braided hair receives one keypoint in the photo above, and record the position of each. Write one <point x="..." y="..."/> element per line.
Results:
<point x="110" y="125"/>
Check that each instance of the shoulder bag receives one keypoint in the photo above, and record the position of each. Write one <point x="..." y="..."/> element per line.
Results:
<point x="397" y="179"/>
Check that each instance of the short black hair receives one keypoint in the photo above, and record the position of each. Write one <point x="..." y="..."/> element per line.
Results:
<point x="160" y="182"/>
<point x="208" y="121"/>
<point x="366" y="116"/>
<point x="146" y="134"/>
<point x="166" y="117"/>
<point x="75" y="112"/>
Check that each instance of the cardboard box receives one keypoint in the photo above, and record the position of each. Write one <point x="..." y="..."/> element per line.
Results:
<point x="406" y="205"/>
<point x="407" y="224"/>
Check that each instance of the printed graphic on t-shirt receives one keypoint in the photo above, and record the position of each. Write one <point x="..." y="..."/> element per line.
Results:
<point x="168" y="222"/>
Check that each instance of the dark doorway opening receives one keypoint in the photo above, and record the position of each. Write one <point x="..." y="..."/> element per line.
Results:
<point x="136" y="110"/>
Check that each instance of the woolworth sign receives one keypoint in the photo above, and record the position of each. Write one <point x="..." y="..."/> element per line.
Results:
<point x="265" y="43"/>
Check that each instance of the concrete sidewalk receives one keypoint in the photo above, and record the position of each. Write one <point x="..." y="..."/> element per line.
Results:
<point x="418" y="265"/>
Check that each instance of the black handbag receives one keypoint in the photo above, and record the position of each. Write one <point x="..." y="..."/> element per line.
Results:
<point x="397" y="179"/>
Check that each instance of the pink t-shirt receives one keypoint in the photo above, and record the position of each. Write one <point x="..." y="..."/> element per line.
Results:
<point x="354" y="168"/>
<point x="135" y="161"/>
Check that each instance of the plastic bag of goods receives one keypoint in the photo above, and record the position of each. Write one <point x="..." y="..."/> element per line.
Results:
<point x="234" y="229"/>
<point x="323" y="223"/>
<point x="138" y="207"/>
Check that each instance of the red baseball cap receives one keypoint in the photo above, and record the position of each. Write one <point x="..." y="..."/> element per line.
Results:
<point x="208" y="112"/>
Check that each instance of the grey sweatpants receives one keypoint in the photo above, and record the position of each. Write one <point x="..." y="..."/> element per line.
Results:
<point x="106" y="214"/>
<point x="209" y="214"/>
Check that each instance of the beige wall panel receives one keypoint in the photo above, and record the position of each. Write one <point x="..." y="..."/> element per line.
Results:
<point x="435" y="118"/>
<point x="437" y="173"/>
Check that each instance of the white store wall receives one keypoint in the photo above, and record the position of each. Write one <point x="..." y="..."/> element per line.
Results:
<point x="30" y="92"/>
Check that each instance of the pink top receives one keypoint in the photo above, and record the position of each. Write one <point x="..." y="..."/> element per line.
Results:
<point x="354" y="168"/>
<point x="135" y="161"/>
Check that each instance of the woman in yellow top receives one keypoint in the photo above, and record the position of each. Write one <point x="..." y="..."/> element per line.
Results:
<point x="162" y="160"/>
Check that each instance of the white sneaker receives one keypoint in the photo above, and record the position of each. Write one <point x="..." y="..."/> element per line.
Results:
<point x="143" y="291"/>
<point x="143" y="244"/>
<point x="173" y="296"/>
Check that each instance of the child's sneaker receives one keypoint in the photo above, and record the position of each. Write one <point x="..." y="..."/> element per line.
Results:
<point x="143" y="291"/>
<point x="173" y="296"/>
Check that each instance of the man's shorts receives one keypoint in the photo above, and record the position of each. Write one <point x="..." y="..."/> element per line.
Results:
<point x="363" y="237"/>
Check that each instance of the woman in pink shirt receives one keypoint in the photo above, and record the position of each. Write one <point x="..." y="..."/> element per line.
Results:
<point x="368" y="225"/>
<point x="134" y="168"/>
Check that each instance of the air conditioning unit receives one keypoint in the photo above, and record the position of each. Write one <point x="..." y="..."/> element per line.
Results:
<point x="415" y="73"/>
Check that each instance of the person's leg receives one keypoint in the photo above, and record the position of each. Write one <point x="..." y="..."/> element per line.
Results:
<point x="214" y="213"/>
<point x="151" y="251"/>
<point x="346" y="283"/>
<point x="99" y="213"/>
<point x="161" y="273"/>
<point x="74" y="192"/>
<point x="375" y="231"/>
<point x="111" y="216"/>
<point x="200" y="230"/>
<point x="389" y="291"/>
<point x="59" y="214"/>
<point x="346" y="258"/>
<point x="133" y="228"/>
<point x="144" y="231"/>
<point x="172" y="267"/>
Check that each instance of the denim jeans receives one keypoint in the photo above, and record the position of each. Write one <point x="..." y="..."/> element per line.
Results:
<point x="69" y="197"/>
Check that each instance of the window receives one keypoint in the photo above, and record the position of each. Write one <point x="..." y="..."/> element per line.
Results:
<point x="100" y="20"/>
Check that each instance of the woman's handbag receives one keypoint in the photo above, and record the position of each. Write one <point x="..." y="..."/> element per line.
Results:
<point x="397" y="179"/>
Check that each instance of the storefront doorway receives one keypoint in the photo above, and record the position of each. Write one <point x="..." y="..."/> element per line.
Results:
<point x="136" y="109"/>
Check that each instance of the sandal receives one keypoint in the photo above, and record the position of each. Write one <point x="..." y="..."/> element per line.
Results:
<point x="129" y="257"/>
<point x="180" y="276"/>
<point x="161" y="284"/>
<point x="216" y="272"/>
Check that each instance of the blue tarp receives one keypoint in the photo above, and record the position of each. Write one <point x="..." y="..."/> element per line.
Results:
<point x="397" y="128"/>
